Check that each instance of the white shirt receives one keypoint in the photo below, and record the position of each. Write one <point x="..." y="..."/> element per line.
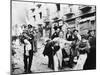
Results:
<point x="61" y="41"/>
<point x="79" y="37"/>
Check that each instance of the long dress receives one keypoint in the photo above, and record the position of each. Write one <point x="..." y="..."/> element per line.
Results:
<point x="83" y="55"/>
<point x="58" y="56"/>
<point x="91" y="60"/>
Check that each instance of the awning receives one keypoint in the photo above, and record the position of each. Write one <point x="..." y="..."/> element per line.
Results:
<point x="85" y="8"/>
<point x="56" y="19"/>
<point x="89" y="18"/>
<point x="69" y="14"/>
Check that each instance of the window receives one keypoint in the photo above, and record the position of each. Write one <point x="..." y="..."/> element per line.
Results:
<point x="40" y="15"/>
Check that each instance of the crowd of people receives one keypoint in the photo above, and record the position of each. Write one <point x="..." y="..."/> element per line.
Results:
<point x="74" y="50"/>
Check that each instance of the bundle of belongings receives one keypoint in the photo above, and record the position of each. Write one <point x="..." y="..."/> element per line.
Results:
<point x="58" y="51"/>
<point x="28" y="46"/>
<point x="66" y="52"/>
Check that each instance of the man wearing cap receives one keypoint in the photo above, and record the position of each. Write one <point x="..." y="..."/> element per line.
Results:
<point x="28" y="49"/>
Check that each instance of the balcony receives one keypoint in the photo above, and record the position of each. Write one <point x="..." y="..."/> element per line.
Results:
<point x="69" y="15"/>
<point x="85" y="9"/>
<point x="56" y="19"/>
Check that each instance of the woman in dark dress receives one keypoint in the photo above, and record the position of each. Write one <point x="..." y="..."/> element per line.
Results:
<point x="91" y="60"/>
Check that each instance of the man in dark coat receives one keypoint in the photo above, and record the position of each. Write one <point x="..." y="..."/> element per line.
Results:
<point x="50" y="50"/>
<point x="28" y="35"/>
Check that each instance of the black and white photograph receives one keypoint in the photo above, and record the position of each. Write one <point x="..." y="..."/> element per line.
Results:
<point x="52" y="37"/>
